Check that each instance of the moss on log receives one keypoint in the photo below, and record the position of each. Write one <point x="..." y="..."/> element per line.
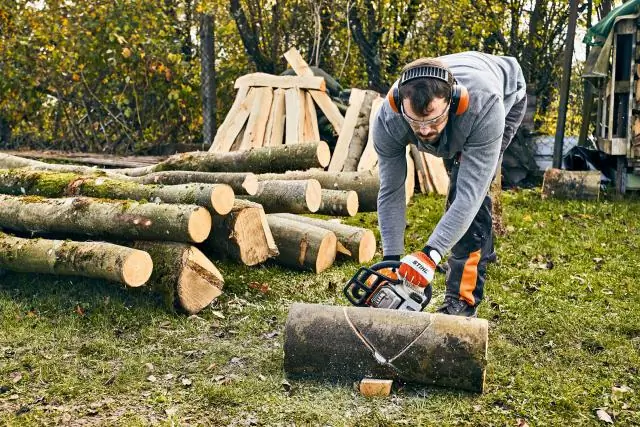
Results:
<point x="241" y="183"/>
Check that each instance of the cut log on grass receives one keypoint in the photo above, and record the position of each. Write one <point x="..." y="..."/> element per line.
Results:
<point x="365" y="183"/>
<point x="8" y="161"/>
<point x="91" y="159"/>
<point x="242" y="235"/>
<point x="374" y="387"/>
<point x="336" y="343"/>
<point x="283" y="82"/>
<point x="564" y="184"/>
<point x="360" y="243"/>
<point x="125" y="220"/>
<point x="183" y="275"/>
<point x="341" y="150"/>
<point x="437" y="173"/>
<point x="303" y="246"/>
<point x="339" y="203"/>
<point x="216" y="197"/>
<point x="257" y="160"/>
<point x="288" y="196"/>
<point x="240" y="183"/>
<point x="98" y="260"/>
<point x="361" y="132"/>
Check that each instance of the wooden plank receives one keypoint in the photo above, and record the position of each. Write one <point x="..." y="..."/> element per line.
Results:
<point x="437" y="173"/>
<point x="282" y="82"/>
<point x="341" y="149"/>
<point x="257" y="124"/>
<point x="421" y="168"/>
<point x="369" y="156"/>
<point x="410" y="181"/>
<point x="329" y="109"/>
<point x="311" y="131"/>
<point x="294" y="122"/>
<point x="232" y="125"/>
<point x="373" y="387"/>
<point x="274" y="135"/>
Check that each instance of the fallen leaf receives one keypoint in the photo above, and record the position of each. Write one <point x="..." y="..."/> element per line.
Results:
<point x="218" y="314"/>
<point x="151" y="378"/>
<point x="168" y="377"/>
<point x="270" y="335"/>
<point x="621" y="389"/>
<point x="79" y="310"/>
<point x="211" y="367"/>
<point x="15" y="377"/>
<point x="149" y="367"/>
<point x="262" y="377"/>
<point x="261" y="287"/>
<point x="527" y="218"/>
<point x="286" y="386"/>
<point x="186" y="382"/>
<point x="171" y="411"/>
<point x="477" y="408"/>
<point x="604" y="416"/>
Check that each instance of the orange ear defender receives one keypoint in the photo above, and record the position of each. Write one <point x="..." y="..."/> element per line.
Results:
<point x="459" y="93"/>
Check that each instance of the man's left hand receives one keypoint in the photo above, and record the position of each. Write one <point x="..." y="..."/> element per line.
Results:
<point x="418" y="269"/>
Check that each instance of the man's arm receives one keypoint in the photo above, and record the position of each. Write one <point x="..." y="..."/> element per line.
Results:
<point x="392" y="165"/>
<point x="478" y="165"/>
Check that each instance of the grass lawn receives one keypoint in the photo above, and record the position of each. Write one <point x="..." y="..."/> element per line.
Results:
<point x="563" y="303"/>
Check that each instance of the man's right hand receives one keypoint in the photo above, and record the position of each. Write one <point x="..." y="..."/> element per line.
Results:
<point x="417" y="269"/>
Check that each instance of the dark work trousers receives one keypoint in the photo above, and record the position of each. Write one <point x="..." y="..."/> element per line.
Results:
<point x="467" y="263"/>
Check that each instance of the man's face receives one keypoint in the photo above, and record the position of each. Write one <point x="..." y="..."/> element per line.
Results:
<point x="428" y="124"/>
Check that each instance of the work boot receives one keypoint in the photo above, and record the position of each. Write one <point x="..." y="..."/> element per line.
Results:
<point x="457" y="307"/>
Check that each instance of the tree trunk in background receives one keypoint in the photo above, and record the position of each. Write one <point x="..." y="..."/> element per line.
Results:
<point x="369" y="44"/>
<point x="208" y="79"/>
<point x="250" y="39"/>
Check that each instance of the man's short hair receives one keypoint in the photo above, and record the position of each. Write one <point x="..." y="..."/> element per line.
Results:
<point x="422" y="91"/>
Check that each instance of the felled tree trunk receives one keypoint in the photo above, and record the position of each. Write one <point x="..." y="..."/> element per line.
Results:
<point x="339" y="203"/>
<point x="216" y="197"/>
<point x="257" y="160"/>
<point x="288" y="196"/>
<point x="336" y="343"/>
<point x="365" y="183"/>
<point x="241" y="235"/>
<point x="183" y="275"/>
<point x="303" y="246"/>
<point x="124" y="220"/>
<point x="241" y="183"/>
<point x="98" y="260"/>
<point x="355" y="243"/>
<point x="564" y="184"/>
<point x="8" y="161"/>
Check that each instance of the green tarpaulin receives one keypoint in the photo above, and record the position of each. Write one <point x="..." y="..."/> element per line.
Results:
<point x="598" y="33"/>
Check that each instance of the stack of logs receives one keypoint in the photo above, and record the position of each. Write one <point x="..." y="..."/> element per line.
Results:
<point x="244" y="200"/>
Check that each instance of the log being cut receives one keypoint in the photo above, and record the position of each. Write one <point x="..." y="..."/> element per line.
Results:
<point x="257" y="160"/>
<point x="98" y="260"/>
<point x="216" y="197"/>
<point x="124" y="220"/>
<point x="303" y="246"/>
<point x="355" y="243"/>
<point x="183" y="275"/>
<point x="349" y="343"/>
<point x="297" y="196"/>
<point x="242" y="235"/>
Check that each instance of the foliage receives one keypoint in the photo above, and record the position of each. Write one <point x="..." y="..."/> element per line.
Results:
<point x="564" y="338"/>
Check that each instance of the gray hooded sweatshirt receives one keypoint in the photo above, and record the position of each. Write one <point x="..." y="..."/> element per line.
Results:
<point x="495" y="84"/>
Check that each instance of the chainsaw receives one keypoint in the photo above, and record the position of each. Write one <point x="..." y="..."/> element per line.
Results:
<point x="378" y="286"/>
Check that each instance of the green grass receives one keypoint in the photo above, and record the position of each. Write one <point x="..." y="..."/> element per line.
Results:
<point x="81" y="352"/>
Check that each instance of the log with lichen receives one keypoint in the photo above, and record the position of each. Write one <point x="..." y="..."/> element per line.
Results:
<point x="216" y="197"/>
<point x="242" y="235"/>
<point x="349" y="343"/>
<point x="301" y="196"/>
<point x="182" y="274"/>
<point x="116" y="219"/>
<point x="241" y="183"/>
<point x="338" y="203"/>
<point x="257" y="160"/>
<point x="100" y="260"/>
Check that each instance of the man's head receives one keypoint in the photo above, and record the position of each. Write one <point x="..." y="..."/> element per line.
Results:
<point x="425" y="101"/>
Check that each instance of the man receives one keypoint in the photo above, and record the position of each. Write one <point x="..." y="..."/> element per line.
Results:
<point x="465" y="108"/>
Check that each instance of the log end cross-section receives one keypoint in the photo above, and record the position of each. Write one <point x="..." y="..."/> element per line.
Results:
<point x="199" y="225"/>
<point x="137" y="268"/>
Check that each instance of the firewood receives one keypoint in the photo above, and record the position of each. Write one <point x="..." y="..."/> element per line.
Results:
<point x="339" y="203"/>
<point x="8" y="161"/>
<point x="303" y="246"/>
<point x="328" y="342"/>
<point x="294" y="122"/>
<point x="564" y="184"/>
<point x="369" y="156"/>
<point x="341" y="150"/>
<point x="358" y="244"/>
<point x="421" y="169"/>
<point x="361" y="132"/>
<point x="410" y="182"/>
<point x="274" y="135"/>
<point x="122" y="219"/>
<point x="311" y="131"/>
<point x="294" y="196"/>
<point x="216" y="197"/>
<point x="234" y="122"/>
<point x="241" y="183"/>
<point x="375" y="387"/>
<point x="182" y="274"/>
<point x="257" y="160"/>
<point x="256" y="126"/>
<point x="437" y="173"/>
<point x="282" y="82"/>
<point x="243" y="235"/>
<point x="98" y="260"/>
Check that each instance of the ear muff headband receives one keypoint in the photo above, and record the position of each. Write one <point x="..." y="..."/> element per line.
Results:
<point x="459" y="93"/>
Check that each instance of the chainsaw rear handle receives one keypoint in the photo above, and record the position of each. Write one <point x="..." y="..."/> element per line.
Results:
<point x="357" y="292"/>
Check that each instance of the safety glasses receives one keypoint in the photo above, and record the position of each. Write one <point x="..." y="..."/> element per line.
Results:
<point x="419" y="124"/>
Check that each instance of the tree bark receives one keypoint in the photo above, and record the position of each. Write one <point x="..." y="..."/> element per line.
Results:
<point x="125" y="220"/>
<point x="258" y="160"/>
<point x="241" y="235"/>
<point x="564" y="184"/>
<point x="216" y="197"/>
<point x="8" y="161"/>
<point x="355" y="243"/>
<point x="448" y="351"/>
<point x="98" y="260"/>
<point x="303" y="246"/>
<point x="293" y="196"/>
<point x="360" y="134"/>
<point x="240" y="183"/>
<point x="365" y="183"/>
<point x="339" y="203"/>
<point x="250" y="39"/>
<point x="208" y="78"/>
<point x="185" y="277"/>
